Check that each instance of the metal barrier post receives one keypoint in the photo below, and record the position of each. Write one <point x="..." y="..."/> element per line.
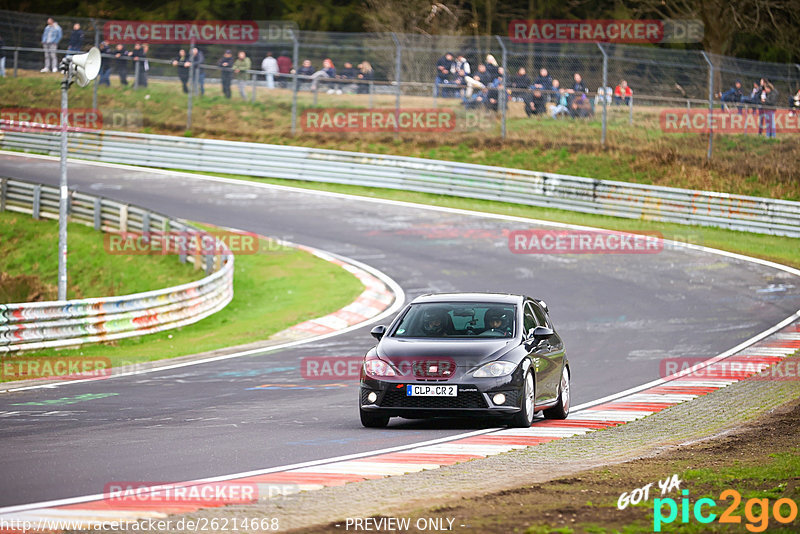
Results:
<point x="136" y="67"/>
<point x="710" y="103"/>
<point x="630" y="110"/>
<point x="3" y="193"/>
<point x="503" y="95"/>
<point x="605" y="96"/>
<point x="295" y="54"/>
<point x="98" y="213"/>
<point x="254" y="77"/>
<point x="63" y="192"/>
<point x="37" y="202"/>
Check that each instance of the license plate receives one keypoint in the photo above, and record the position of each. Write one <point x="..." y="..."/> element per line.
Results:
<point x="431" y="391"/>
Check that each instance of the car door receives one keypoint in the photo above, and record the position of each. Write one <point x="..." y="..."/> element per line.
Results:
<point x="538" y="353"/>
<point x="553" y="353"/>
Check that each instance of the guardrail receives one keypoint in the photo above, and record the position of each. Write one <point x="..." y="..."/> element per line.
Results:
<point x="542" y="189"/>
<point x="39" y="325"/>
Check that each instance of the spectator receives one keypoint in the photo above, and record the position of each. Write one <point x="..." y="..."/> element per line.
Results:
<point x="544" y="81"/>
<point x="444" y="72"/>
<point x="521" y="80"/>
<point x="105" y="63"/>
<point x="225" y="64"/>
<point x="535" y="102"/>
<point x="197" y="59"/>
<point x="347" y="73"/>
<point x="623" y="93"/>
<point x="75" y="39"/>
<point x="121" y="63"/>
<point x="51" y="36"/>
<point x="577" y="86"/>
<point x="602" y="94"/>
<point x="459" y="80"/>
<point x="182" y="64"/>
<point x="495" y="94"/>
<point x="562" y="100"/>
<point x="480" y="80"/>
<point x="240" y="68"/>
<point x="365" y="74"/>
<point x="284" y="65"/>
<point x="140" y="64"/>
<point x="491" y="66"/>
<point x="755" y="95"/>
<point x="769" y="98"/>
<point x="328" y="70"/>
<point x="794" y="101"/>
<point x="462" y="64"/>
<point x="270" y="67"/>
<point x="306" y="69"/>
<point x="2" y="58"/>
<point x="580" y="106"/>
<point x="734" y="94"/>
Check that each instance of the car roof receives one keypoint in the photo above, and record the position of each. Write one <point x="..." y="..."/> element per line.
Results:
<point x="499" y="298"/>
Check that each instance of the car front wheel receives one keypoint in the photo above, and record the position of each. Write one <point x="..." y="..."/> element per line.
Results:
<point x="524" y="418"/>
<point x="373" y="420"/>
<point x="560" y="410"/>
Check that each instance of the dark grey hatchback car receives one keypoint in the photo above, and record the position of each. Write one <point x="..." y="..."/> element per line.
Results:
<point x="463" y="354"/>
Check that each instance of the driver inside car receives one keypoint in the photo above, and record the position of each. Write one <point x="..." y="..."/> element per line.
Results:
<point x="497" y="322"/>
<point x="433" y="322"/>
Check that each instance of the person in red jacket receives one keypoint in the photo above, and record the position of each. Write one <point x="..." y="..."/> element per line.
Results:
<point x="284" y="67"/>
<point x="623" y="93"/>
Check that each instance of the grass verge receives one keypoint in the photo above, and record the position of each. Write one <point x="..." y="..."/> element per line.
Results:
<point x="273" y="289"/>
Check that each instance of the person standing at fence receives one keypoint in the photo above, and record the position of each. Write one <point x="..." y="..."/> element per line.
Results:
<point x="770" y="101"/>
<point x="225" y="63"/>
<point x="623" y="93"/>
<point x="2" y="58"/>
<point x="75" y="40"/>
<point x="240" y="69"/>
<point x="140" y="58"/>
<point x="444" y="72"/>
<point x="270" y="68"/>
<point x="105" y="63"/>
<point x="182" y="64"/>
<point x="199" y="74"/>
<point x="121" y="58"/>
<point x="51" y="36"/>
<point x="285" y="66"/>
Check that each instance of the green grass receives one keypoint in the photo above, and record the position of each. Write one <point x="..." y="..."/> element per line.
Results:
<point x="273" y="289"/>
<point x="28" y="249"/>
<point x="783" y="250"/>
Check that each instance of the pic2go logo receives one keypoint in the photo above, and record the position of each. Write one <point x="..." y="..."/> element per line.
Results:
<point x="756" y="511"/>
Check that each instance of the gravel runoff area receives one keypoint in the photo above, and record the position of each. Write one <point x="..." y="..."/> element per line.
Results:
<point x="718" y="413"/>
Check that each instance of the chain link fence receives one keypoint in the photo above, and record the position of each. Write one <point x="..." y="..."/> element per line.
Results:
<point x="399" y="71"/>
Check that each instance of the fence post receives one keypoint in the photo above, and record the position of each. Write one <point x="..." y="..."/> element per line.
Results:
<point x="192" y="87"/>
<point x="97" y="78"/>
<point x="16" y="61"/>
<point x="255" y="82"/>
<point x="605" y="96"/>
<point x="136" y="68"/>
<point x="98" y="213"/>
<point x="710" y="103"/>
<point x="630" y="110"/>
<point x="296" y="55"/>
<point x="3" y="193"/>
<point x="371" y="93"/>
<point x="37" y="201"/>
<point x="502" y="96"/>
<point x="397" y="66"/>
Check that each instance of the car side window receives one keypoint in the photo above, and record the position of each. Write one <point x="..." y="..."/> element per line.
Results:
<point x="541" y="317"/>
<point x="528" y="319"/>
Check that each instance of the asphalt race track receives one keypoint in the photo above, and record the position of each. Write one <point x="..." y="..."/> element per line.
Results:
<point x="619" y="314"/>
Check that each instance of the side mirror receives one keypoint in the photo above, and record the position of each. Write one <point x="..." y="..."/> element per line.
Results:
<point x="378" y="332"/>
<point x="541" y="332"/>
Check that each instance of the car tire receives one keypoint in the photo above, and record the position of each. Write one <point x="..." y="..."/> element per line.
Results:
<point x="524" y="418"/>
<point x="560" y="410"/>
<point x="373" y="420"/>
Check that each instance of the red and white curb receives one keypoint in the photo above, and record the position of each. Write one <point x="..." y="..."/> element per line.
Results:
<point x="741" y="363"/>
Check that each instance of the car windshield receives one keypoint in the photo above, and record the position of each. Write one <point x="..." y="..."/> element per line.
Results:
<point x="458" y="320"/>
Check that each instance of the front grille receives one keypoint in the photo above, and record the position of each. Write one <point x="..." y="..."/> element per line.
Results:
<point x="396" y="398"/>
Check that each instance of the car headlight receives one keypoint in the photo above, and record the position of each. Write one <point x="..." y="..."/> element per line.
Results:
<point x="495" y="369"/>
<point x="378" y="368"/>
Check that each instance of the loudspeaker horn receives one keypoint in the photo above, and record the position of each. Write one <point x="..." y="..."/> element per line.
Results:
<point x="86" y="66"/>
